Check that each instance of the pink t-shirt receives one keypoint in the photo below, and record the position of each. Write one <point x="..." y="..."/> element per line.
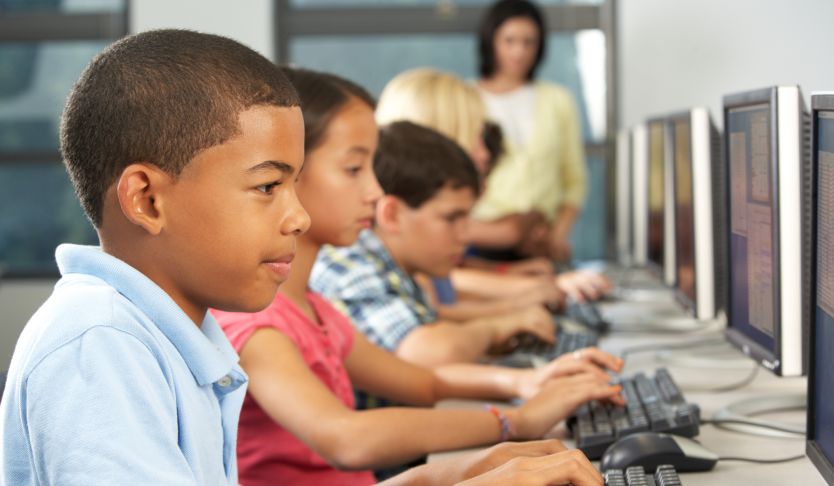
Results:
<point x="267" y="453"/>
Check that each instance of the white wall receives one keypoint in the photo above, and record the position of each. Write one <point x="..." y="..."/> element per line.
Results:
<point x="677" y="54"/>
<point x="249" y="22"/>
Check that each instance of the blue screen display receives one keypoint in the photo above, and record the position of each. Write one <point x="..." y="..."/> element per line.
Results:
<point x="754" y="275"/>
<point x="824" y="322"/>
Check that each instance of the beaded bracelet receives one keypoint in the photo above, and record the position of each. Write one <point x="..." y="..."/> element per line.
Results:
<point x="502" y="268"/>
<point x="506" y="426"/>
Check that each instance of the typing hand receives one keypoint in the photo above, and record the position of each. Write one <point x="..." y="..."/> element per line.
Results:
<point x="531" y="266"/>
<point x="534" y="320"/>
<point x="592" y="355"/>
<point x="582" y="285"/>
<point x="566" y="467"/>
<point x="557" y="400"/>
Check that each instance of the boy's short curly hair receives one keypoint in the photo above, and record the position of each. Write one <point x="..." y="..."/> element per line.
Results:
<point x="160" y="97"/>
<point x="413" y="163"/>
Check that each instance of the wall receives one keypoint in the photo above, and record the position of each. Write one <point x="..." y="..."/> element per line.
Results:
<point x="248" y="22"/>
<point x="674" y="55"/>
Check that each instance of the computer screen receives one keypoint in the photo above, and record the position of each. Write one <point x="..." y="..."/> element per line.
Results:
<point x="699" y="220"/>
<point x="656" y="195"/>
<point x="684" y="210"/>
<point x="639" y="193"/>
<point x="764" y="147"/>
<point x="623" y="199"/>
<point x="821" y="379"/>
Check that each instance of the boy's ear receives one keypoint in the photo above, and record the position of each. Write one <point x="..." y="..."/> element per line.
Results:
<point x="387" y="213"/>
<point x="139" y="190"/>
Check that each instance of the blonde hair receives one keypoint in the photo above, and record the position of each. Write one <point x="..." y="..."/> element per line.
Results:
<point x="434" y="99"/>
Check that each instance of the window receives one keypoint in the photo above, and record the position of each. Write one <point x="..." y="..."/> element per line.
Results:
<point x="44" y="46"/>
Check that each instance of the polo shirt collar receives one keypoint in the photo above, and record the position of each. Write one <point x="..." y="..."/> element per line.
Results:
<point x="205" y="350"/>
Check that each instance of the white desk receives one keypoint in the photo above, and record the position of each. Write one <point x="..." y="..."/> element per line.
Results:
<point x="722" y="442"/>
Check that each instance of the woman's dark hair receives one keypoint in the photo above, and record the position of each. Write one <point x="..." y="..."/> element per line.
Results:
<point x="499" y="13"/>
<point x="322" y="95"/>
<point x="494" y="140"/>
<point x="414" y="162"/>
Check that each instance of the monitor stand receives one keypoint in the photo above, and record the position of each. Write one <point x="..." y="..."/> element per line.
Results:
<point x="740" y="416"/>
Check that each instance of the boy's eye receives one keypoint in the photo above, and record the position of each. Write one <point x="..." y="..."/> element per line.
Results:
<point x="267" y="188"/>
<point x="352" y="171"/>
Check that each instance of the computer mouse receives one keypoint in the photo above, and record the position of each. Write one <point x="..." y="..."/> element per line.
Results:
<point x="650" y="449"/>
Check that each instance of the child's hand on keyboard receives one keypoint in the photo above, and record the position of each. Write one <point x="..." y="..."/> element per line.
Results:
<point x="557" y="400"/>
<point x="533" y="380"/>
<point x="567" y="467"/>
<point x="595" y="356"/>
<point x="533" y="320"/>
<point x="583" y="285"/>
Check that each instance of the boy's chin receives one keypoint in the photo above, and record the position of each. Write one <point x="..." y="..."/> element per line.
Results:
<point x="252" y="303"/>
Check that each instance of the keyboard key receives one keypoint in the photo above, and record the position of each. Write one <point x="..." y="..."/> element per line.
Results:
<point x="665" y="475"/>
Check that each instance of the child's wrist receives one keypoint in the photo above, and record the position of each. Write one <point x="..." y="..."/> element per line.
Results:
<point x="507" y="428"/>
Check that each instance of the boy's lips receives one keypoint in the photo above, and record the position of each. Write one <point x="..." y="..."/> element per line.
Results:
<point x="281" y="266"/>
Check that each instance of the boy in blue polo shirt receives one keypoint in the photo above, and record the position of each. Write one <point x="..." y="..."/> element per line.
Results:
<point x="183" y="149"/>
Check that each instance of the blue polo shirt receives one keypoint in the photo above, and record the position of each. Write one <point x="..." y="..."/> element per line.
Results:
<point x="111" y="383"/>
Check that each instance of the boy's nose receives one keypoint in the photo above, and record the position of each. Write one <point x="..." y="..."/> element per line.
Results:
<point x="298" y="221"/>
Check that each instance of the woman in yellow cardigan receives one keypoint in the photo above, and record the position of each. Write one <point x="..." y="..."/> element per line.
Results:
<point x="543" y="169"/>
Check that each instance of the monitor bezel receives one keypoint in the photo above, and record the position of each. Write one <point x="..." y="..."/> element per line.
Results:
<point x="819" y="102"/>
<point x="659" y="270"/>
<point x="703" y="306"/>
<point x="770" y="359"/>
<point x="690" y="305"/>
<point x="638" y="137"/>
<point x="624" y="198"/>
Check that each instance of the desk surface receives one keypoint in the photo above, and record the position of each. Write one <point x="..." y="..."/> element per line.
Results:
<point x="693" y="380"/>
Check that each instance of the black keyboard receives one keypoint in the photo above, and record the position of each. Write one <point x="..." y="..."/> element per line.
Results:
<point x="652" y="404"/>
<point x="664" y="475"/>
<point x="587" y="313"/>
<point x="529" y="349"/>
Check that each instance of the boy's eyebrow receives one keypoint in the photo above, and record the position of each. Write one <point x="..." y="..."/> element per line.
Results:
<point x="272" y="165"/>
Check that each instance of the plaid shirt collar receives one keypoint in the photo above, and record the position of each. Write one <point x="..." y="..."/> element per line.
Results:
<point x="395" y="276"/>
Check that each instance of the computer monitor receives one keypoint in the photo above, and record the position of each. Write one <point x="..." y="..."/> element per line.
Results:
<point x="700" y="262"/>
<point x="820" y="446"/>
<point x="769" y="214"/>
<point x="623" y="209"/>
<point x="639" y="193"/>
<point x="660" y="218"/>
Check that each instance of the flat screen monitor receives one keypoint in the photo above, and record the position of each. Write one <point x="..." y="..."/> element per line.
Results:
<point x="769" y="209"/>
<point x="656" y="201"/>
<point x="699" y="261"/>
<point x="623" y="198"/>
<point x="639" y="193"/>
<point x="820" y="447"/>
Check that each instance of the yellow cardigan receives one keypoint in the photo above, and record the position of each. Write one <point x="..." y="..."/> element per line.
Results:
<point x="549" y="171"/>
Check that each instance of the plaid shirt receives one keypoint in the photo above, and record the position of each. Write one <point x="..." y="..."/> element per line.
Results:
<point x="363" y="281"/>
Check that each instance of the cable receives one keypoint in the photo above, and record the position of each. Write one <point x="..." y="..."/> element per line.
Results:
<point x="762" y="461"/>
<point x="644" y="348"/>
<point x="726" y="388"/>
<point x="780" y="428"/>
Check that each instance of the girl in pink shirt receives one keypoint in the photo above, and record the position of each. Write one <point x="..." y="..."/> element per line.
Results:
<point x="303" y="358"/>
